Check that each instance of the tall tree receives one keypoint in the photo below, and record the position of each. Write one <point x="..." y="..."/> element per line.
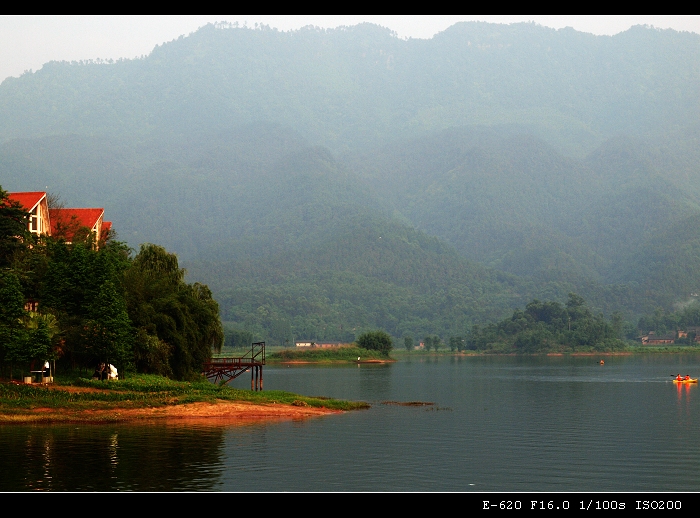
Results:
<point x="13" y="335"/>
<point x="171" y="314"/>
<point x="14" y="233"/>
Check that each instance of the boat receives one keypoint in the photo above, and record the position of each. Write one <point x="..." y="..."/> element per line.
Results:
<point x="690" y="380"/>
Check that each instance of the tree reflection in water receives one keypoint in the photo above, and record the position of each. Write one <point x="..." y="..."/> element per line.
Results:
<point x="110" y="457"/>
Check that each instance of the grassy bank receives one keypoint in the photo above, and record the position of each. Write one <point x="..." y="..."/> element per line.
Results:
<point x="143" y="391"/>
<point x="327" y="355"/>
<point x="664" y="349"/>
<point x="630" y="349"/>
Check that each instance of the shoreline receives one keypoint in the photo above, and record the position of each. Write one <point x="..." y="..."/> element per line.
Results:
<point x="154" y="399"/>
<point x="219" y="412"/>
<point x="351" y="362"/>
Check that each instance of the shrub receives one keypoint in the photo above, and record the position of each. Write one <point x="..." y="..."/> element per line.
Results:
<point x="375" y="341"/>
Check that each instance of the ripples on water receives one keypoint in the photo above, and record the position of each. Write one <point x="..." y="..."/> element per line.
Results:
<point x="497" y="424"/>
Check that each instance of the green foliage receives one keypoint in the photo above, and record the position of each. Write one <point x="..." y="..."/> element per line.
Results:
<point x="469" y="173"/>
<point x="13" y="334"/>
<point x="548" y="327"/>
<point x="352" y="86"/>
<point x="325" y="355"/>
<point x="170" y="316"/>
<point x="457" y="343"/>
<point x="375" y="341"/>
<point x="431" y="342"/>
<point x="151" y="354"/>
<point x="83" y="288"/>
<point x="142" y="390"/>
<point x="101" y="305"/>
<point x="236" y="338"/>
<point x="108" y="332"/>
<point x="14" y="235"/>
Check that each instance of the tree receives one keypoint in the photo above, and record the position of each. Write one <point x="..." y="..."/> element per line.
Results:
<point x="13" y="334"/>
<point x="456" y="343"/>
<point x="375" y="341"/>
<point x="431" y="342"/>
<point x="170" y="315"/>
<point x="408" y="343"/>
<point x="14" y="233"/>
<point x="108" y="332"/>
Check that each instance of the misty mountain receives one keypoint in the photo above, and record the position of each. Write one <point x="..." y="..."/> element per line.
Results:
<point x="350" y="87"/>
<point x="328" y="181"/>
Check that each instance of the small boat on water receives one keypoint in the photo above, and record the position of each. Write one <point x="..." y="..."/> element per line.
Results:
<point x="689" y="380"/>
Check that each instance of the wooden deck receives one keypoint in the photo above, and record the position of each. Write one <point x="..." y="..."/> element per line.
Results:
<point x="225" y="369"/>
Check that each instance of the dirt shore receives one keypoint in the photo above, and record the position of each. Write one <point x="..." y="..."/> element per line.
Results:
<point x="220" y="412"/>
<point x="216" y="413"/>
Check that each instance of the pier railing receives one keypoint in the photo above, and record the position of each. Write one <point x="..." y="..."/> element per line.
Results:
<point x="224" y="369"/>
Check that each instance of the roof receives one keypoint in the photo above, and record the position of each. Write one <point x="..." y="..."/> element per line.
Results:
<point x="85" y="217"/>
<point x="62" y="219"/>
<point x="28" y="200"/>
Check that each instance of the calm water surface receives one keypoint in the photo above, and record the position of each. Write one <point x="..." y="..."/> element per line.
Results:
<point x="497" y="424"/>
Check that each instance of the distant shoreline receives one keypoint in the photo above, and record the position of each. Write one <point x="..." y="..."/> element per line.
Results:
<point x="293" y="362"/>
<point x="641" y="350"/>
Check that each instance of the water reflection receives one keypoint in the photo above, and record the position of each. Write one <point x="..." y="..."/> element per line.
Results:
<point x="497" y="424"/>
<point x="105" y="458"/>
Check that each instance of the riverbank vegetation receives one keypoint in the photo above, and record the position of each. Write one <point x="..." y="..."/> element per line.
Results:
<point x="74" y="397"/>
<point x="545" y="327"/>
<point x="327" y="355"/>
<point x="371" y="346"/>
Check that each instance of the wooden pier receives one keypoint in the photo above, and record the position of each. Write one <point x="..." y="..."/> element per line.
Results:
<point x="220" y="369"/>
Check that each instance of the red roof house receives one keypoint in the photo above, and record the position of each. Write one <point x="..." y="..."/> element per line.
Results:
<point x="66" y="222"/>
<point x="63" y="223"/>
<point x="35" y="203"/>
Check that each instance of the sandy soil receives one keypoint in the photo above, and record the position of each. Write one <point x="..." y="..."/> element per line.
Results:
<point x="216" y="413"/>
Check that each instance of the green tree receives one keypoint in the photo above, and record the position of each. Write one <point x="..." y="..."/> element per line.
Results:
<point x="408" y="343"/>
<point x="108" y="333"/>
<point x="457" y="343"/>
<point x="170" y="314"/>
<point x="431" y="342"/>
<point x="14" y="233"/>
<point x="84" y="288"/>
<point x="13" y="334"/>
<point x="375" y="341"/>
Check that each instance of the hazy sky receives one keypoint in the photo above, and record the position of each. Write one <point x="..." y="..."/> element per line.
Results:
<point x="27" y="42"/>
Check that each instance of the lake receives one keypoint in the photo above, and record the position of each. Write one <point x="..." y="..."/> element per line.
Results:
<point x="501" y="423"/>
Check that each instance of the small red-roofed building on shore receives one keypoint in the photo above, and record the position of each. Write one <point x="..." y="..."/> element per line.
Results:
<point x="61" y="223"/>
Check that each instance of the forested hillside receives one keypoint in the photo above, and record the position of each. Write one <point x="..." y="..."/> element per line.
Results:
<point x="326" y="182"/>
<point x="350" y="87"/>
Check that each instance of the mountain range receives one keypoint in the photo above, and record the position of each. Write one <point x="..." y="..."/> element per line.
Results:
<point x="325" y="182"/>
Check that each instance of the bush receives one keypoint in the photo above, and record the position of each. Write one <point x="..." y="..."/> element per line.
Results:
<point x="375" y="341"/>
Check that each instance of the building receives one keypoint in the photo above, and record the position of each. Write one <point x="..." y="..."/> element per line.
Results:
<point x="62" y="223"/>
<point x="36" y="204"/>
<point x="320" y="345"/>
<point x="65" y="223"/>
<point x="653" y="339"/>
